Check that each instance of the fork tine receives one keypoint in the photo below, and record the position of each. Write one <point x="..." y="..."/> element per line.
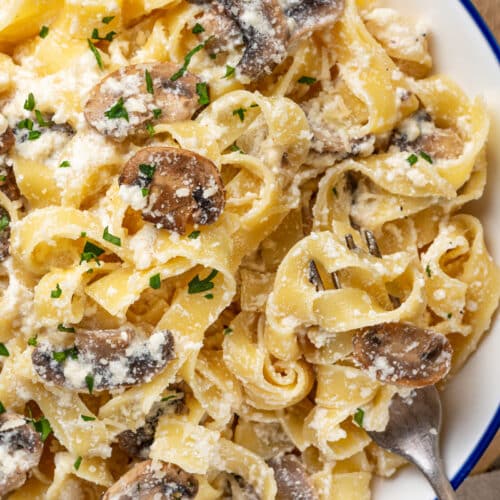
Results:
<point x="315" y="278"/>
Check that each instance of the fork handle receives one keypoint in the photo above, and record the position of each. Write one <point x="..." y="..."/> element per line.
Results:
<point x="440" y="483"/>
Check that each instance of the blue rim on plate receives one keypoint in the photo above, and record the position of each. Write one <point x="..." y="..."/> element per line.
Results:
<point x="494" y="425"/>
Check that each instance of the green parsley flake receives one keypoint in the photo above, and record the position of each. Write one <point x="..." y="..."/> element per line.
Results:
<point x="89" y="381"/>
<point x="307" y="80"/>
<point x="359" y="416"/>
<point x="65" y="164"/>
<point x="198" y="286"/>
<point x="83" y="234"/>
<point x="147" y="170"/>
<point x="230" y="71"/>
<point x="3" y="350"/>
<point x="40" y="119"/>
<point x="240" y="112"/>
<point x="202" y="91"/>
<point x="187" y="60"/>
<point x="2" y="408"/>
<point x="194" y="235"/>
<point x="209" y="296"/>
<point x="77" y="463"/>
<point x="26" y="123"/>
<point x="150" y="128"/>
<point x="157" y="113"/>
<point x="44" y="31"/>
<point x="42" y="426"/>
<point x="155" y="282"/>
<point x="29" y="103"/>
<point x="111" y="238"/>
<point x="197" y="29"/>
<point x="428" y="270"/>
<point x="34" y="135"/>
<point x="412" y="159"/>
<point x="86" y="418"/>
<point x="144" y="192"/>
<point x="91" y="252"/>
<point x="96" y="53"/>
<point x="117" y="111"/>
<point x="108" y="37"/>
<point x="61" y="356"/>
<point x="33" y="341"/>
<point x="4" y="222"/>
<point x="449" y="315"/>
<point x="149" y="82"/>
<point x="426" y="157"/>
<point x="169" y="398"/>
<point x="63" y="328"/>
<point x="55" y="294"/>
<point x="3" y="178"/>
<point x="227" y="330"/>
<point x="107" y="19"/>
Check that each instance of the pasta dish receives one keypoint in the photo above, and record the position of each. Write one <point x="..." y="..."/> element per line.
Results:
<point x="230" y="233"/>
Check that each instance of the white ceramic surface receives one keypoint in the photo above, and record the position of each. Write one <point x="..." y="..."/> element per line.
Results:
<point x="472" y="398"/>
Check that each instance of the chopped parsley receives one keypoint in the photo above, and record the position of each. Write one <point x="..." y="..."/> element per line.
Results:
<point x="147" y="170"/>
<point x="198" y="286"/>
<point x="34" y="135"/>
<point x="90" y="252"/>
<point x="426" y="157"/>
<point x="149" y="82"/>
<point x="197" y="29"/>
<point x="77" y="463"/>
<point x="4" y="222"/>
<point x="235" y="148"/>
<point x="29" y="103"/>
<point x="412" y="159"/>
<point x="359" y="416"/>
<point x="26" y="123"/>
<point x="96" y="53"/>
<point x="187" y="60"/>
<point x="168" y="398"/>
<point x="240" y="112"/>
<point x="202" y="91"/>
<point x="111" y="238"/>
<point x="144" y="192"/>
<point x="230" y="71"/>
<point x="194" y="235"/>
<point x="209" y="296"/>
<point x="42" y="426"/>
<point x="89" y="382"/>
<point x="151" y="130"/>
<point x="33" y="341"/>
<point x="449" y="315"/>
<point x="44" y="31"/>
<point x="86" y="418"/>
<point x="155" y="282"/>
<point x="2" y="408"/>
<point x="61" y="356"/>
<point x="63" y="328"/>
<point x="307" y="80"/>
<point x="40" y="119"/>
<point x="157" y="113"/>
<point x="65" y="164"/>
<point x="428" y="271"/>
<point x="83" y="234"/>
<point x="117" y="111"/>
<point x="55" y="294"/>
<point x="108" y="37"/>
<point x="3" y="350"/>
<point x="227" y="330"/>
<point x="3" y="178"/>
<point x="107" y="19"/>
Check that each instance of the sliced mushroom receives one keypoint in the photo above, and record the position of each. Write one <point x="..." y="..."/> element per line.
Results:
<point x="419" y="133"/>
<point x="311" y="15"/>
<point x="104" y="359"/>
<point x="403" y="354"/>
<point x="120" y="105"/>
<point x="137" y="443"/>
<point x="291" y="478"/>
<point x="7" y="140"/>
<point x="241" y="490"/>
<point x="174" y="188"/>
<point x="153" y="479"/>
<point x="265" y="34"/>
<point x="20" y="451"/>
<point x="8" y="183"/>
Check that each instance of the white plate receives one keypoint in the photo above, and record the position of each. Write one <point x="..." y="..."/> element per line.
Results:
<point x="463" y="49"/>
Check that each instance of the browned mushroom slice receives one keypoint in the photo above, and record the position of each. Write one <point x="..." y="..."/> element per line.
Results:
<point x="265" y="34"/>
<point x="312" y="15"/>
<point x="419" y="133"/>
<point x="174" y="188"/>
<point x="126" y="101"/>
<point x="403" y="354"/>
<point x="104" y="359"/>
<point x="8" y="183"/>
<point x="153" y="479"/>
<point x="7" y="140"/>
<point x="291" y="478"/>
<point x="20" y="451"/>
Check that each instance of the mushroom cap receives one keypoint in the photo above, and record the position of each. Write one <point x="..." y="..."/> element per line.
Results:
<point x="7" y="140"/>
<point x="177" y="99"/>
<point x="184" y="188"/>
<point x="403" y="354"/>
<point x="20" y="451"/>
<point x="113" y="358"/>
<point x="291" y="478"/>
<point x="153" y="479"/>
<point x="265" y="33"/>
<point x="311" y="15"/>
